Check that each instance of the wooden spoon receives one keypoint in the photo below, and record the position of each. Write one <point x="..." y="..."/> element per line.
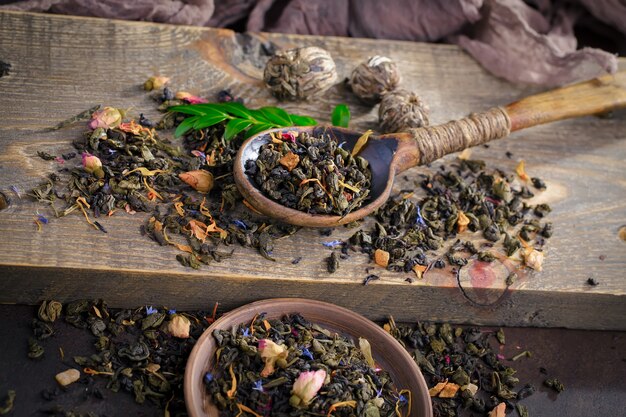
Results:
<point x="391" y="154"/>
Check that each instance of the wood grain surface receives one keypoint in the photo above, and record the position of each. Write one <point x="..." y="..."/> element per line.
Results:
<point x="61" y="66"/>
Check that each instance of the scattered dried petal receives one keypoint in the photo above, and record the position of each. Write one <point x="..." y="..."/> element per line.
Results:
<point x="449" y="391"/>
<point x="419" y="270"/>
<point x="462" y="222"/>
<point x="361" y="142"/>
<point x="290" y="160"/>
<point x="381" y="258"/>
<point x="520" y="169"/>
<point x="434" y="391"/>
<point x="68" y="377"/>
<point x="498" y="411"/>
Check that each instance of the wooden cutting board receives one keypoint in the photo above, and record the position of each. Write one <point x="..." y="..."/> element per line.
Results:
<point x="61" y="66"/>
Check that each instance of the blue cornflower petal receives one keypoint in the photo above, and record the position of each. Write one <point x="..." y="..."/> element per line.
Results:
<point x="150" y="310"/>
<point x="332" y="243"/>
<point x="171" y="311"/>
<point x="306" y="352"/>
<point x="245" y="332"/>
<point x="240" y="224"/>
<point x="420" y="219"/>
<point x="258" y="386"/>
<point x="208" y="377"/>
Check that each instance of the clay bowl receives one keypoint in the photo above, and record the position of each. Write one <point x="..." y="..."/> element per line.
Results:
<point x="386" y="350"/>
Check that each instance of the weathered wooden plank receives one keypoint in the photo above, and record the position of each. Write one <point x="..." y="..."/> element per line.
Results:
<point x="62" y="66"/>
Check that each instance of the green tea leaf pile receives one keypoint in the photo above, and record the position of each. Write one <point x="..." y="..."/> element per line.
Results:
<point x="311" y="174"/>
<point x="291" y="367"/>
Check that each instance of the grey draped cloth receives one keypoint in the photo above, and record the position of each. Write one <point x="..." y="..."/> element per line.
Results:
<point x="530" y="42"/>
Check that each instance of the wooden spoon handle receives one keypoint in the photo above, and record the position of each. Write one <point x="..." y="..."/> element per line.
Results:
<point x="426" y="144"/>
<point x="598" y="95"/>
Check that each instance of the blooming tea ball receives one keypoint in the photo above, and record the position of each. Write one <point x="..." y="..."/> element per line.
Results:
<point x="374" y="78"/>
<point x="300" y="73"/>
<point x="401" y="110"/>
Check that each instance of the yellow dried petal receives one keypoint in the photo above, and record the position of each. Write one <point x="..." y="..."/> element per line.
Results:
<point x="361" y="142"/>
<point x="462" y="222"/>
<point x="449" y="391"/>
<point x="520" y="169"/>
<point x="434" y="391"/>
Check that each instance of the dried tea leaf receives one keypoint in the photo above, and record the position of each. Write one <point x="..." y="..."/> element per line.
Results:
<point x="50" y="310"/>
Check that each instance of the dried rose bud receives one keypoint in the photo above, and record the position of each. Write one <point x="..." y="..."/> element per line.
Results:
<point x="300" y="73"/>
<point x="190" y="98"/>
<point x="372" y="79"/>
<point x="270" y="353"/>
<point x="401" y="110"/>
<point x="92" y="165"/>
<point x="199" y="180"/>
<point x="533" y="259"/>
<point x="306" y="387"/>
<point x="155" y="83"/>
<point x="107" y="118"/>
<point x="179" y="326"/>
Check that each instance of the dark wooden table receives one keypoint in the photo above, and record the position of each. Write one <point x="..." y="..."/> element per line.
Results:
<point x="591" y="365"/>
<point x="61" y="66"/>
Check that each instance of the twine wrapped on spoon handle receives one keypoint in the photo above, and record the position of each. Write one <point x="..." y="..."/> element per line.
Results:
<point x="433" y="142"/>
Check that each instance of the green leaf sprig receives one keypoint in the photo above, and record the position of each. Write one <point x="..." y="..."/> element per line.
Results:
<point x="240" y="118"/>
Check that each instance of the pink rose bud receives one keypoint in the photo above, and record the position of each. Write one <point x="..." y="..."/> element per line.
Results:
<point x="270" y="352"/>
<point x="107" y="118"/>
<point x="179" y="326"/>
<point x="190" y="98"/>
<point x="92" y="165"/>
<point x="306" y="387"/>
<point x="199" y="179"/>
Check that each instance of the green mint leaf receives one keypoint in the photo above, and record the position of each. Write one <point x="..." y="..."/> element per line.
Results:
<point x="192" y="110"/>
<point x="208" y="120"/>
<point x="341" y="116"/>
<point x="237" y="109"/>
<point x="185" y="126"/>
<point x="235" y="126"/>
<point x="209" y="108"/>
<point x="302" y="120"/>
<point x="277" y="116"/>
<point x="255" y="130"/>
